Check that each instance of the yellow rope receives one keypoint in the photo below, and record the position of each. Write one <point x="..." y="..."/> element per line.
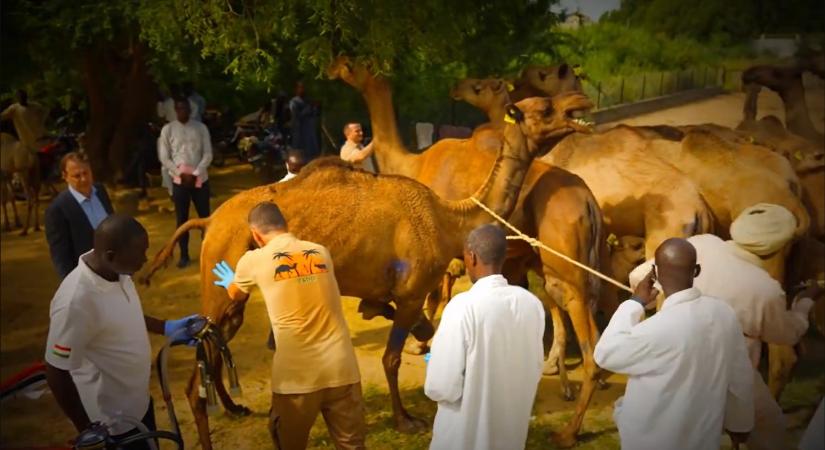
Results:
<point x="536" y="243"/>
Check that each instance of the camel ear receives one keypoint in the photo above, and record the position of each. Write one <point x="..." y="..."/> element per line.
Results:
<point x="563" y="70"/>
<point x="542" y="75"/>
<point x="513" y="113"/>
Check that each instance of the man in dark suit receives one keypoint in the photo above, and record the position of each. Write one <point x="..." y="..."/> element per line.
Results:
<point x="73" y="215"/>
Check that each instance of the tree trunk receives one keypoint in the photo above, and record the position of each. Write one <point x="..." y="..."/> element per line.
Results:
<point x="122" y="98"/>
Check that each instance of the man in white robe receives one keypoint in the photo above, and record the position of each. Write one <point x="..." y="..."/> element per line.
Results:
<point x="761" y="308"/>
<point x="486" y="356"/>
<point x="689" y="375"/>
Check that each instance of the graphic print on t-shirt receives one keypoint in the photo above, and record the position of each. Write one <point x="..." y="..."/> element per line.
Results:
<point x="303" y="263"/>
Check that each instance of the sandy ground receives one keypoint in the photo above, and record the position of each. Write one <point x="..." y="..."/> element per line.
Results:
<point x="28" y="282"/>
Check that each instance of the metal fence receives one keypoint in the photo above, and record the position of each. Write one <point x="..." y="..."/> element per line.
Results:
<point x="620" y="90"/>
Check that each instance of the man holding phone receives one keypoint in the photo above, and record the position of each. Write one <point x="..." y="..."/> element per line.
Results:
<point x="689" y="376"/>
<point x="185" y="150"/>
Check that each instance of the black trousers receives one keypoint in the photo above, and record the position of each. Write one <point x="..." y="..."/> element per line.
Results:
<point x="149" y="421"/>
<point x="181" y="196"/>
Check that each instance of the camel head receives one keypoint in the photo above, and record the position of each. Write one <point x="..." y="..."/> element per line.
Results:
<point x="483" y="94"/>
<point x="354" y="73"/>
<point x="551" y="80"/>
<point x="546" y="120"/>
<point x="772" y="77"/>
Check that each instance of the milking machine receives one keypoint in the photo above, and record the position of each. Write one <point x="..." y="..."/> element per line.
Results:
<point x="205" y="333"/>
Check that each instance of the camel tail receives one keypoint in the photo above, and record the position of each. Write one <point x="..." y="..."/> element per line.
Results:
<point x="594" y="256"/>
<point x="168" y="250"/>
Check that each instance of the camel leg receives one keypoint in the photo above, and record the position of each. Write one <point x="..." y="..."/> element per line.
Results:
<point x="6" y="221"/>
<point x="405" y="319"/>
<point x="27" y="191"/>
<point x="582" y="322"/>
<point x="14" y="209"/>
<point x="556" y="362"/>
<point x="781" y="361"/>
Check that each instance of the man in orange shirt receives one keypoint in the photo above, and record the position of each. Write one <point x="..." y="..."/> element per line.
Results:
<point x="314" y="368"/>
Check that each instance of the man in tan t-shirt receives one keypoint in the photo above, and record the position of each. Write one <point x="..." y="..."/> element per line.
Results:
<point x="354" y="151"/>
<point x="314" y="367"/>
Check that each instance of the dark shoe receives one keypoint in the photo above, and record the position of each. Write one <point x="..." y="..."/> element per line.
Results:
<point x="184" y="262"/>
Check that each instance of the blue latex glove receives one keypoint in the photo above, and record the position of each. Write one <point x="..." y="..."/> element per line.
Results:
<point x="224" y="273"/>
<point x="174" y="327"/>
<point x="427" y="358"/>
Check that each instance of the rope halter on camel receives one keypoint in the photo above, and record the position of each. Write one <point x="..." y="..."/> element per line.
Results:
<point x="536" y="243"/>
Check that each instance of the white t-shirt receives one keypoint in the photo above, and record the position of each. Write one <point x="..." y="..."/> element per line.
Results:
<point x="97" y="332"/>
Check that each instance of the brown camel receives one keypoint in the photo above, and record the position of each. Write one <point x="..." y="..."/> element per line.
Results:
<point x="639" y="195"/>
<point x="391" y="238"/>
<point x="16" y="159"/>
<point x="555" y="206"/>
<point x="538" y="81"/>
<point x="806" y="157"/>
<point x="787" y="82"/>
<point x="762" y="176"/>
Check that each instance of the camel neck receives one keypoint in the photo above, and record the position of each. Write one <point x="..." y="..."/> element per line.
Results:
<point x="495" y="114"/>
<point x="500" y="190"/>
<point x="390" y="152"/>
<point x="796" y="110"/>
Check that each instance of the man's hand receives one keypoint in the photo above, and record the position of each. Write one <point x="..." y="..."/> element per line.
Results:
<point x="177" y="328"/>
<point x="645" y="293"/>
<point x="224" y="273"/>
<point x="737" y="438"/>
<point x="188" y="180"/>
<point x="813" y="291"/>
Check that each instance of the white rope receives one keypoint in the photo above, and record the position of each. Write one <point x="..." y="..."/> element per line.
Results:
<point x="536" y="243"/>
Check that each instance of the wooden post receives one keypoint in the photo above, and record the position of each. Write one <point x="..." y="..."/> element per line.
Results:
<point x="598" y="94"/>
<point x="662" y="85"/>
<point x="644" y="79"/>
<point x="621" y="92"/>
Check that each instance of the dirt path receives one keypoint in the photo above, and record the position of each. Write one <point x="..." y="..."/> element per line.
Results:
<point x="28" y="282"/>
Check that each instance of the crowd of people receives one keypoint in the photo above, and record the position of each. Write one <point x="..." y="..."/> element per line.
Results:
<point x="691" y="366"/>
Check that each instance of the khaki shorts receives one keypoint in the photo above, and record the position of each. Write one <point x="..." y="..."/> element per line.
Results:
<point x="292" y="416"/>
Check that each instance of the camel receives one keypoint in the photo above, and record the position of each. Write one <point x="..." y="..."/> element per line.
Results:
<point x="787" y="82"/>
<point x="539" y="81"/>
<point x="391" y="238"/>
<point x="16" y="159"/>
<point x="639" y="195"/>
<point x="555" y="206"/>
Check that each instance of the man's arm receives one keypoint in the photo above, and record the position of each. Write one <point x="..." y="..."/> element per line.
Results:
<point x="8" y="113"/>
<point x="623" y="348"/>
<point x="65" y="392"/>
<point x="237" y="285"/>
<point x="154" y="325"/>
<point x="784" y="326"/>
<point x="59" y="238"/>
<point x="445" y="370"/>
<point x="165" y="151"/>
<point x="206" y="154"/>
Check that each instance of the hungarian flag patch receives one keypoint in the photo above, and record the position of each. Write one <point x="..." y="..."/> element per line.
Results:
<point x="61" y="351"/>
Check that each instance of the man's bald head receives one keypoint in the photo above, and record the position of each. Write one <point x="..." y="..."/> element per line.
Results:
<point x="295" y="161"/>
<point x="676" y="265"/>
<point x="120" y="242"/>
<point x="484" y="251"/>
<point x="115" y="232"/>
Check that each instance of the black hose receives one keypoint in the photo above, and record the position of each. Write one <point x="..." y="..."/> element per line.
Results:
<point x="168" y="435"/>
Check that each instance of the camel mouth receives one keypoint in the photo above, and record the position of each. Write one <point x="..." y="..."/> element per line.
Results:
<point x="578" y="118"/>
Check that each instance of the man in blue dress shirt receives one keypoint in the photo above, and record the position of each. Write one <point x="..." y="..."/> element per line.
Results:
<point x="73" y="215"/>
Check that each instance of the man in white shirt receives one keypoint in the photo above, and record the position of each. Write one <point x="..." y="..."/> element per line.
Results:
<point x="98" y="357"/>
<point x="689" y="375"/>
<point x="29" y="120"/>
<point x="486" y="357"/>
<point x="353" y="150"/>
<point x="294" y="164"/>
<point x="761" y="308"/>
<point x="185" y="151"/>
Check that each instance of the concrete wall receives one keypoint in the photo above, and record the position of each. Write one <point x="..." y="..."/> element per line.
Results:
<point x="620" y="112"/>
